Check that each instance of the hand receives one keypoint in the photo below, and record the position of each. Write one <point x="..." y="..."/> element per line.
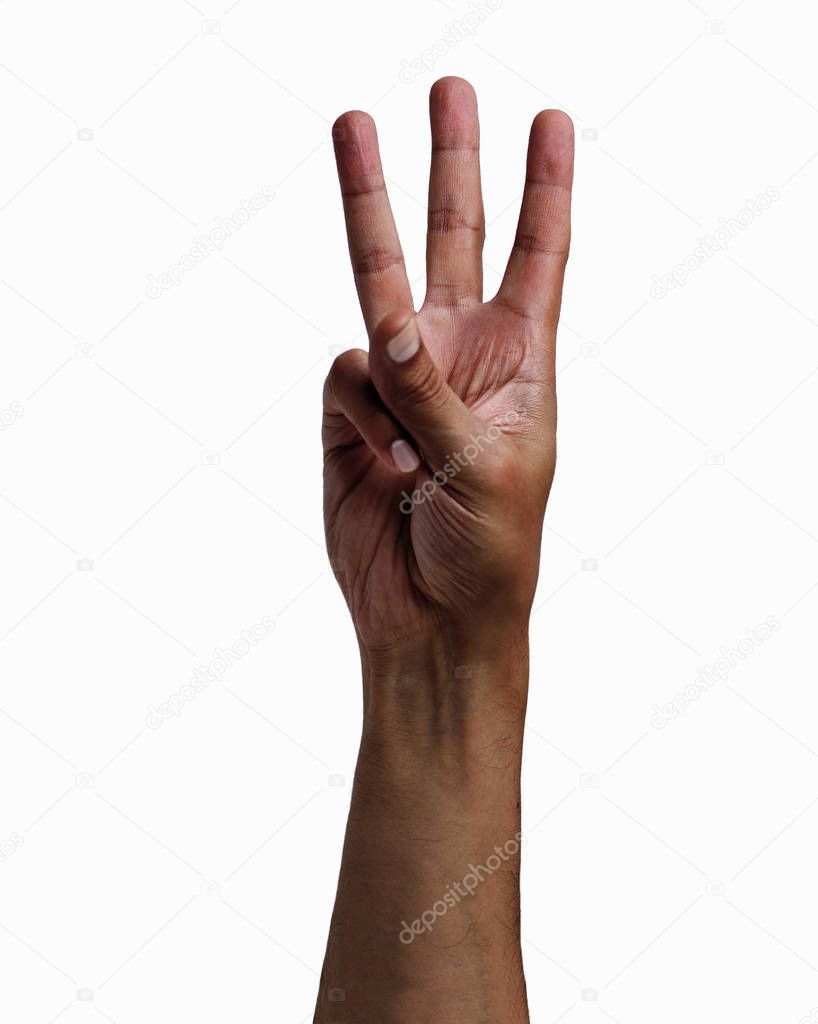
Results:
<point x="439" y="444"/>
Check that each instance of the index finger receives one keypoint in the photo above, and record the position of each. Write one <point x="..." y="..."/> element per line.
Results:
<point x="374" y="246"/>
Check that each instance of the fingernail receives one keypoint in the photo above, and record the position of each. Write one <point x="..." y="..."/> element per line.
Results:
<point x="404" y="456"/>
<point x="404" y="345"/>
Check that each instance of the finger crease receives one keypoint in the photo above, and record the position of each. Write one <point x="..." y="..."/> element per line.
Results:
<point x="531" y="244"/>
<point x="444" y="219"/>
<point x="517" y="310"/>
<point x="455" y="147"/>
<point x="363" y="190"/>
<point x="375" y="261"/>
<point x="544" y="183"/>
<point x="449" y="293"/>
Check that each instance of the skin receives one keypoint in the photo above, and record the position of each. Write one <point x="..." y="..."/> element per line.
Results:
<point x="440" y="588"/>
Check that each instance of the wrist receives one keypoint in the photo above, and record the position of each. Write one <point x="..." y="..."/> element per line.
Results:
<point x="447" y="680"/>
<point x="446" y="708"/>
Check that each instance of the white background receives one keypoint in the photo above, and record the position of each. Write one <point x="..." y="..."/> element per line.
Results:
<point x="186" y="873"/>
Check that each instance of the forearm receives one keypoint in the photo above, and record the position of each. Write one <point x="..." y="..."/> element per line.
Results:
<point x="426" y="922"/>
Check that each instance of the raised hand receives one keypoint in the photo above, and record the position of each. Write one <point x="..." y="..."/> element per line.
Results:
<point x="439" y="443"/>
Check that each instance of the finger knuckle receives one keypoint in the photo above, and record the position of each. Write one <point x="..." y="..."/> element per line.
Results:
<point x="346" y="366"/>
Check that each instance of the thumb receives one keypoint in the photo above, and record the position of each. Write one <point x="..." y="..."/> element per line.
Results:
<point x="414" y="390"/>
